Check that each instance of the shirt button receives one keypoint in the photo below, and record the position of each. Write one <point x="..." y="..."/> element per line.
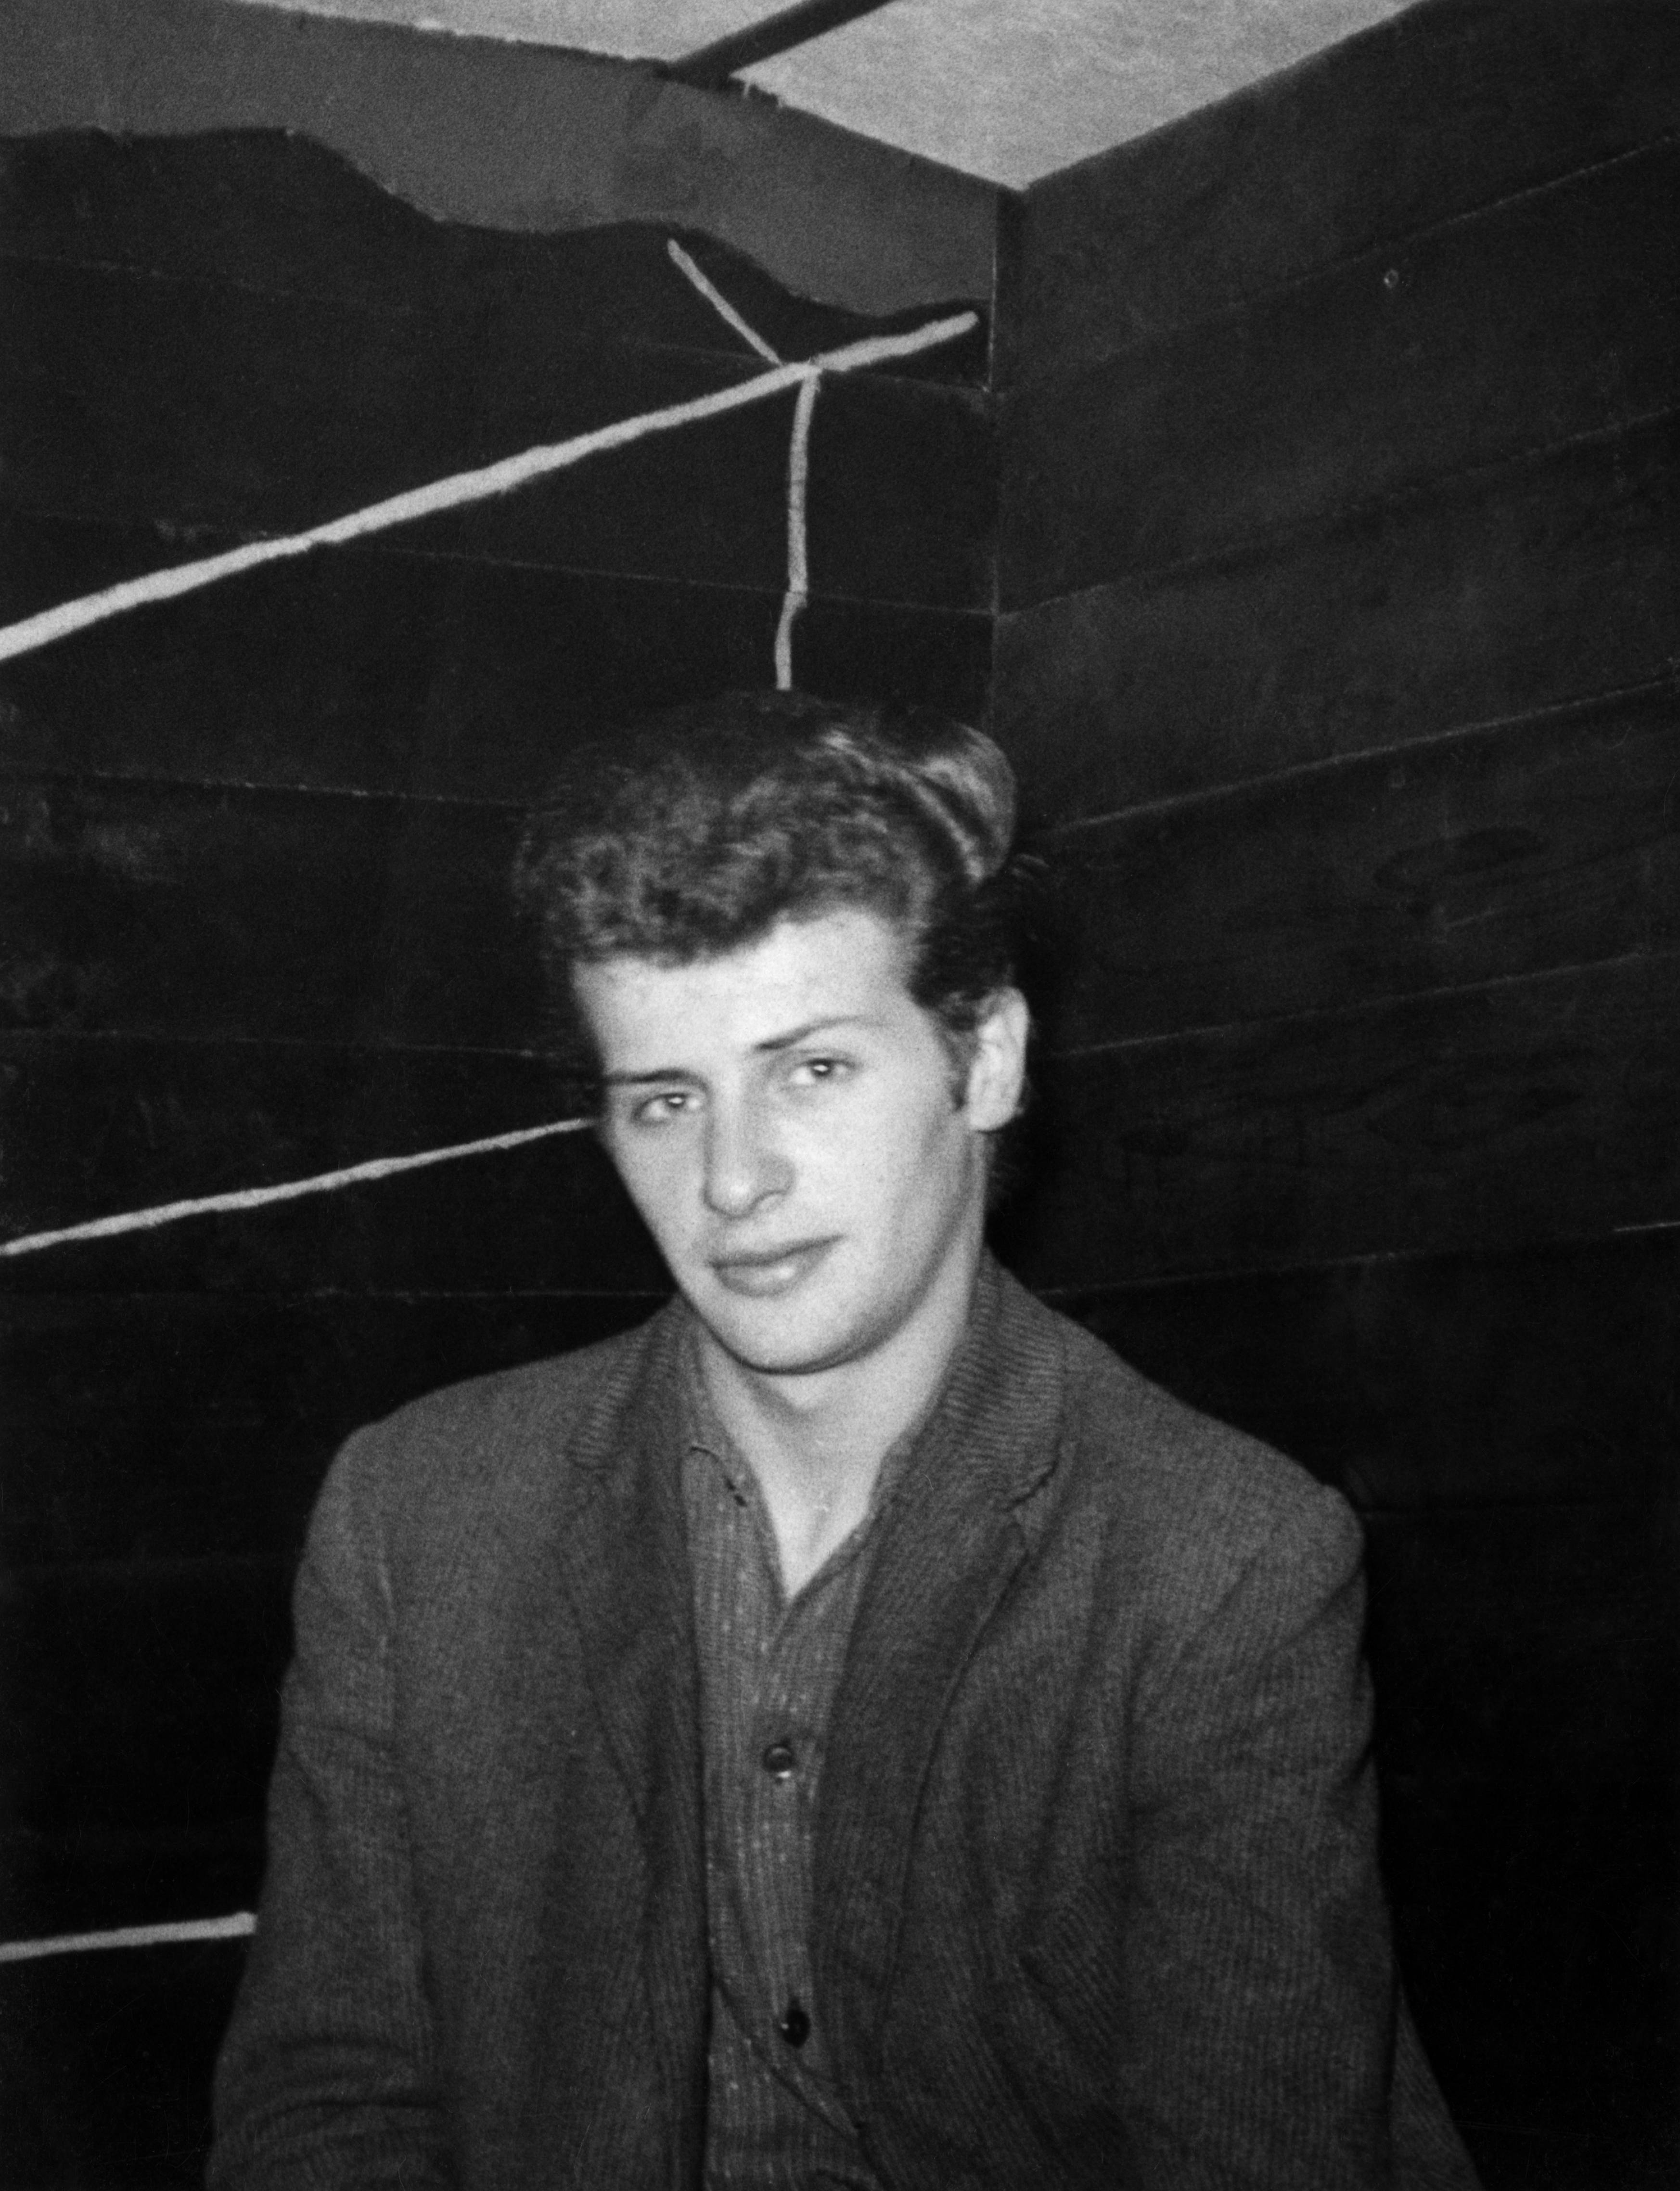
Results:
<point x="778" y="1761"/>
<point x="794" y="2026"/>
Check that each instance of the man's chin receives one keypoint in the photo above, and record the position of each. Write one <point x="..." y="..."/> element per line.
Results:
<point x="774" y="1339"/>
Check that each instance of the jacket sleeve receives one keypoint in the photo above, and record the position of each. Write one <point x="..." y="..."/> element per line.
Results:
<point x="1268" y="2044"/>
<point x="328" y="2075"/>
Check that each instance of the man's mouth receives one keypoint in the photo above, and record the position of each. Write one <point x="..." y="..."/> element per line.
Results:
<point x="762" y="1275"/>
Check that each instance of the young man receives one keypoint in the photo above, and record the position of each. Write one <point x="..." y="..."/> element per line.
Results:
<point x="852" y="1732"/>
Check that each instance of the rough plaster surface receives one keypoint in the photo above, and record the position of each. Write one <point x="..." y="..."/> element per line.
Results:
<point x="513" y="136"/>
<point x="1006" y="89"/>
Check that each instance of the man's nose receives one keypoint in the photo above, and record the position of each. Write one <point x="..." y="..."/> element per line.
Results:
<point x="743" y="1166"/>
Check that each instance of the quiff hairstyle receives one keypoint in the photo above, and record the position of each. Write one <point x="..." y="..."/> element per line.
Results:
<point x="696" y="833"/>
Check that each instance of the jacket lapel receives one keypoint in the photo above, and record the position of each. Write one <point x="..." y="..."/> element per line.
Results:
<point x="624" y="1574"/>
<point x="951" y="1543"/>
<point x="625" y="1570"/>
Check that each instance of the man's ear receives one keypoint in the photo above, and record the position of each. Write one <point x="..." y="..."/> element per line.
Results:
<point x="997" y="1067"/>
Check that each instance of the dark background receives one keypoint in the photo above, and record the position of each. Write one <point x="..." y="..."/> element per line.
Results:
<point x="1306" y="533"/>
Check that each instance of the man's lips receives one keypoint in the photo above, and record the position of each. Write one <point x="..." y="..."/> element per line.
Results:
<point x="768" y="1271"/>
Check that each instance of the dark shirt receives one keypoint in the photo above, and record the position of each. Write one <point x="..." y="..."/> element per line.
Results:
<point x="768" y="1670"/>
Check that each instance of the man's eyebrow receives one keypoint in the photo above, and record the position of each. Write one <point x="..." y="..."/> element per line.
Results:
<point x="663" y="1074"/>
<point x="796" y="1035"/>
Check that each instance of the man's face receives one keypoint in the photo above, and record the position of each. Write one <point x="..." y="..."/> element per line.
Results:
<point x="793" y="1129"/>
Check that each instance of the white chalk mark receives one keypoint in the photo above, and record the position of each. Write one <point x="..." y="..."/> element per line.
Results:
<point x="258" y="1197"/>
<point x="719" y="302"/>
<point x="239" y="1926"/>
<point x="798" y="573"/>
<point x="798" y="462"/>
<point x="463" y="488"/>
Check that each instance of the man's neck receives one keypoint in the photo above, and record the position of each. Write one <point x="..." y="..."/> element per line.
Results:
<point x="816" y="1441"/>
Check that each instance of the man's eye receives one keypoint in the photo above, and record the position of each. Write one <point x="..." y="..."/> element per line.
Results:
<point x="814" y="1071"/>
<point x="659" y="1110"/>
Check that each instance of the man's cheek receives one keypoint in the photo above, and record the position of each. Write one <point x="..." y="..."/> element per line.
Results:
<point x="655" y="1188"/>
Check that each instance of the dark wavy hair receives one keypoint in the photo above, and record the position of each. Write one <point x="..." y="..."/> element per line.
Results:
<point x="694" y="833"/>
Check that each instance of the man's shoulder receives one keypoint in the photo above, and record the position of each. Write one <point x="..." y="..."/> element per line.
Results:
<point x="533" y="1398"/>
<point x="1175" y="1489"/>
<point x="514" y="1435"/>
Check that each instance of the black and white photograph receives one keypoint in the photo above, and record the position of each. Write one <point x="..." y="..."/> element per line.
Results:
<point x="839" y="1095"/>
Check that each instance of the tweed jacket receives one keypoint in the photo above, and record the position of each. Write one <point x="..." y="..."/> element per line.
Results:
<point x="1095" y="1887"/>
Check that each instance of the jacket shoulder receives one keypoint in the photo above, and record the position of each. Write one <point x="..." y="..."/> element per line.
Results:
<point x="1188" y="1502"/>
<point x="514" y="1437"/>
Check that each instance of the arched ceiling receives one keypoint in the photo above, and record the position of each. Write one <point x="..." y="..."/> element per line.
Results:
<point x="1006" y="89"/>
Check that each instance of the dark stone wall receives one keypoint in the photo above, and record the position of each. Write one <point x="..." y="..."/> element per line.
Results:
<point x="253" y="848"/>
<point x="1338" y="631"/>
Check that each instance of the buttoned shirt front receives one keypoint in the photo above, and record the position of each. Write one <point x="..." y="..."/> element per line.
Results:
<point x="770" y="1667"/>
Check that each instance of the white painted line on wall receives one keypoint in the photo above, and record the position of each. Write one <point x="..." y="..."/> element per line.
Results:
<point x="464" y="487"/>
<point x="239" y="1926"/>
<point x="799" y="465"/>
<point x="258" y="1197"/>
<point x="719" y="302"/>
<point x="798" y="574"/>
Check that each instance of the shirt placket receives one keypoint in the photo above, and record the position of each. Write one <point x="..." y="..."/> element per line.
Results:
<point x="770" y="1670"/>
<point x="783" y="1758"/>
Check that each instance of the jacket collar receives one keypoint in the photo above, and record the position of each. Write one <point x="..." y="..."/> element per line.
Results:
<point x="953" y="1540"/>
